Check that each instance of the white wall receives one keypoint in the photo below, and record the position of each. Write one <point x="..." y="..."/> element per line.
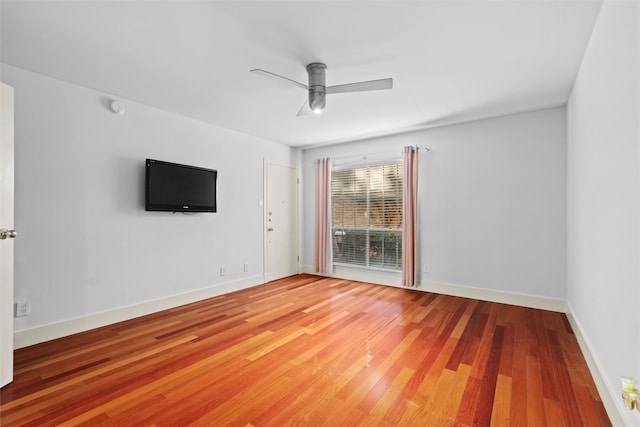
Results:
<point x="604" y="196"/>
<point x="492" y="202"/>
<point x="86" y="245"/>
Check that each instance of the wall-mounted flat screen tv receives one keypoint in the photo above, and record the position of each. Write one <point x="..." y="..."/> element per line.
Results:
<point x="172" y="187"/>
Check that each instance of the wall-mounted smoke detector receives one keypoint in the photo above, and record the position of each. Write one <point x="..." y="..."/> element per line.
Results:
<point x="117" y="107"/>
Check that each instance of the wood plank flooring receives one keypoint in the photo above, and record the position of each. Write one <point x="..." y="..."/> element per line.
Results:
<point x="307" y="350"/>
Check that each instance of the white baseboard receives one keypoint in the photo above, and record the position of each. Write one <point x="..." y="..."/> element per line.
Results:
<point x="52" y="331"/>
<point x="608" y="392"/>
<point x="393" y="279"/>
<point x="522" y="300"/>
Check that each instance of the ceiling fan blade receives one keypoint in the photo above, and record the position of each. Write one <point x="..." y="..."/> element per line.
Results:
<point x="305" y="110"/>
<point x="276" y="76"/>
<point x="362" y="86"/>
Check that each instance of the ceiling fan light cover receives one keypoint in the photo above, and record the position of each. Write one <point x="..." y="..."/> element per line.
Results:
<point x="317" y="101"/>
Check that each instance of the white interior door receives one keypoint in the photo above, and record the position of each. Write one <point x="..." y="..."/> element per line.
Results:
<point x="6" y="234"/>
<point x="281" y="221"/>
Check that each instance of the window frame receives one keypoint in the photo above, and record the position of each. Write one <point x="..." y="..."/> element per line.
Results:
<point x="396" y="265"/>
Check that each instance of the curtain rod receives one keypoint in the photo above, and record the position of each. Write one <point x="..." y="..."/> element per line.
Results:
<point x="364" y="157"/>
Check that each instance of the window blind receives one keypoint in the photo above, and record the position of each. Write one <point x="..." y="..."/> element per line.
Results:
<point x="366" y="215"/>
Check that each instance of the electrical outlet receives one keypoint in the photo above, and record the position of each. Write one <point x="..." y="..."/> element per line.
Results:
<point x="245" y="267"/>
<point x="23" y="308"/>
<point x="223" y="271"/>
<point x="426" y="268"/>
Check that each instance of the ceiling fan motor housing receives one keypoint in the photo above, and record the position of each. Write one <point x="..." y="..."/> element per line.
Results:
<point x="317" y="85"/>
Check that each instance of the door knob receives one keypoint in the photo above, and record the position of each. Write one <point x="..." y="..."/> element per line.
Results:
<point x="4" y="233"/>
<point x="270" y="229"/>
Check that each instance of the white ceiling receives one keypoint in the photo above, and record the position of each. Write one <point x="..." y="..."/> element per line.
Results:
<point x="451" y="61"/>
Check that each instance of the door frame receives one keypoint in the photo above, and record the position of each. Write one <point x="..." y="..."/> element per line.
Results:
<point x="265" y="205"/>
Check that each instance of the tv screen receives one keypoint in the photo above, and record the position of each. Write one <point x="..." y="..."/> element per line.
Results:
<point x="173" y="187"/>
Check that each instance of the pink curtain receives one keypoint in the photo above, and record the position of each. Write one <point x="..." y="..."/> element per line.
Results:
<point x="322" y="262"/>
<point x="409" y="216"/>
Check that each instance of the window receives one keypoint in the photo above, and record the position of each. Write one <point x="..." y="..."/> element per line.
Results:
<point x="366" y="216"/>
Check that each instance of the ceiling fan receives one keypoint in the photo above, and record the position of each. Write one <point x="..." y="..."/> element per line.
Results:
<point x="318" y="89"/>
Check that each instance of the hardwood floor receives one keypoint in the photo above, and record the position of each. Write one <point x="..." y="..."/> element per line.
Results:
<point x="314" y="351"/>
